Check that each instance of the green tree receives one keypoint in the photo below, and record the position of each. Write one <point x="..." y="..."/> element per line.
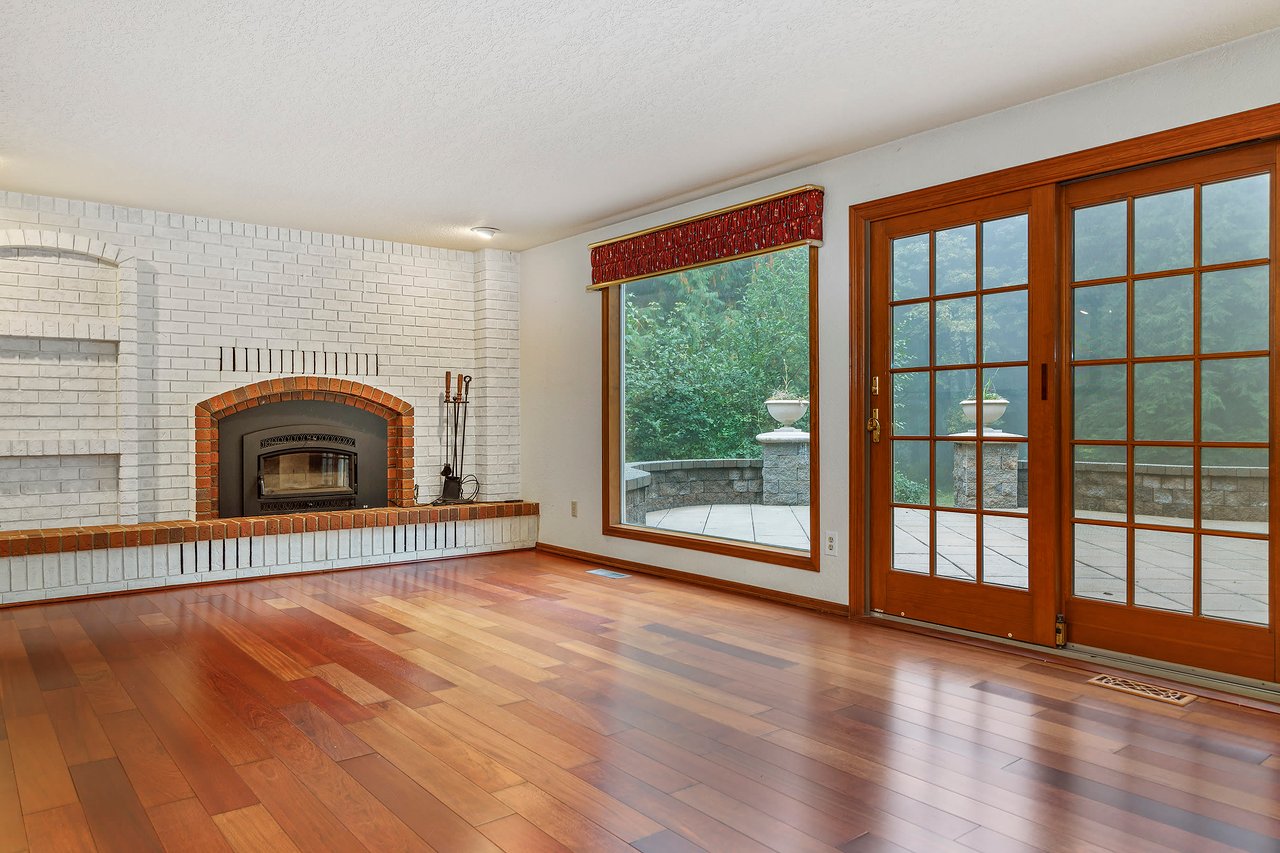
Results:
<point x="704" y="348"/>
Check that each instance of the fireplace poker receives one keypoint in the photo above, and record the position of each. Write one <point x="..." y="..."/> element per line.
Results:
<point x="466" y="398"/>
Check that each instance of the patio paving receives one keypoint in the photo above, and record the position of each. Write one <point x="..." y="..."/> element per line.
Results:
<point x="1234" y="574"/>
<point x="1234" y="571"/>
<point x="783" y="526"/>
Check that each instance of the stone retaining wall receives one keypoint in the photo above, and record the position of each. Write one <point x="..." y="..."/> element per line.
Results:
<point x="653" y="486"/>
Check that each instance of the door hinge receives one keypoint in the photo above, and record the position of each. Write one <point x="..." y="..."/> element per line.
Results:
<point x="1060" y="631"/>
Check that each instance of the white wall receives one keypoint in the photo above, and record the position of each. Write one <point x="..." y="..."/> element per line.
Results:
<point x="560" y="323"/>
<point x="94" y="361"/>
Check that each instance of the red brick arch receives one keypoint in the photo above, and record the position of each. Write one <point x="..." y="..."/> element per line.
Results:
<point x="397" y="413"/>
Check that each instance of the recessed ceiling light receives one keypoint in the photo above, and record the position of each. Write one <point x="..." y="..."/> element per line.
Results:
<point x="484" y="231"/>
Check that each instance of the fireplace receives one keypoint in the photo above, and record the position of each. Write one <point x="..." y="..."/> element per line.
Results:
<point x="300" y="455"/>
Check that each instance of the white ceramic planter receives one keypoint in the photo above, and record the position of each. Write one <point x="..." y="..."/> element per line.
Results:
<point x="992" y="410"/>
<point x="786" y="412"/>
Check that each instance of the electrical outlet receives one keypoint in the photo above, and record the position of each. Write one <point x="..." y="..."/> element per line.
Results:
<point x="573" y="509"/>
<point x="830" y="543"/>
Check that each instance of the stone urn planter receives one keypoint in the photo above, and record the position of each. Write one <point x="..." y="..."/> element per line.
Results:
<point x="786" y="412"/>
<point x="992" y="410"/>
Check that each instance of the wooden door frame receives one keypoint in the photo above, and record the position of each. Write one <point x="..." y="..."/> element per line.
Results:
<point x="1258" y="124"/>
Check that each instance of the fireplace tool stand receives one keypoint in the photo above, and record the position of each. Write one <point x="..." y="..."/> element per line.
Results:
<point x="457" y="488"/>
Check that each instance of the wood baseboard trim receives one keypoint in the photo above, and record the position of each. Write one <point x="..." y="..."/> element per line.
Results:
<point x="143" y="590"/>
<point x="827" y="607"/>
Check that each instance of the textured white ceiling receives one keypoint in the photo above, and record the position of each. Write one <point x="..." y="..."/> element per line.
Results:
<point x="417" y="120"/>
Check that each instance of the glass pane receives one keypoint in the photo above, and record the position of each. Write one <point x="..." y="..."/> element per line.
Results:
<point x="1005" y="551"/>
<point x="911" y="404"/>
<point x="1162" y="231"/>
<point x="911" y="540"/>
<point x="1101" y="562"/>
<point x="1163" y="316"/>
<point x="1164" y="570"/>
<point x="1234" y="578"/>
<point x="1100" y="237"/>
<point x="911" y="267"/>
<point x="911" y="335"/>
<point x="1233" y="399"/>
<point x="1100" y="482"/>
<point x="1236" y="216"/>
<point x="1164" y="485"/>
<point x="955" y="326"/>
<point x="957" y="260"/>
<point x="1234" y="489"/>
<point x="957" y="545"/>
<point x="964" y="474"/>
<point x="1100" y="402"/>
<point x="1004" y="326"/>
<point x="1004" y="475"/>
<point x="911" y="472"/>
<point x="1099" y="321"/>
<point x="1004" y="252"/>
<point x="1163" y="401"/>
<point x="701" y="352"/>
<point x="1004" y="403"/>
<point x="1234" y="310"/>
<point x="952" y="388"/>
<point x="947" y="457"/>
<point x="305" y="472"/>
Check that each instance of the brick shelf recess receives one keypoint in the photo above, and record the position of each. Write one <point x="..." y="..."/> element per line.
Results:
<point x="18" y="543"/>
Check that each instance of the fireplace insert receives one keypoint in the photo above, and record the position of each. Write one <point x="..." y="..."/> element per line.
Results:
<point x="301" y="455"/>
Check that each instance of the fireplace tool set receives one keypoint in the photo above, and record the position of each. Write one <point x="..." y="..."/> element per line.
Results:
<point x="456" y="402"/>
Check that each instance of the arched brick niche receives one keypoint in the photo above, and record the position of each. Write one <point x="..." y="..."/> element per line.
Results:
<point x="397" y="413"/>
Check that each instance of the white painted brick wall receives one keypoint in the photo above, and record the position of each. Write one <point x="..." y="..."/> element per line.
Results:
<point x="58" y="491"/>
<point x="205" y="284"/>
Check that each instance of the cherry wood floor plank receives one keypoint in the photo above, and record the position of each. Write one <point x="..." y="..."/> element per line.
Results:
<point x="79" y="732"/>
<point x="38" y="764"/>
<point x="151" y="770"/>
<point x="445" y="783"/>
<point x="208" y="706"/>
<point x="115" y="815"/>
<point x="13" y="835"/>
<point x="52" y="670"/>
<point x="363" y="814"/>
<point x="426" y="815"/>
<point x="60" y="830"/>
<point x="303" y="818"/>
<point x="561" y="822"/>
<point x="515" y="834"/>
<point x="253" y="830"/>
<point x="210" y="775"/>
<point x="185" y="825"/>
<point x="336" y="740"/>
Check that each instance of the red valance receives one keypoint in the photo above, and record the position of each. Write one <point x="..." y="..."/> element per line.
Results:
<point x="784" y="219"/>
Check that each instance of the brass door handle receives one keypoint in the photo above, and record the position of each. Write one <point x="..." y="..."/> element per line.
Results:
<point x="873" y="425"/>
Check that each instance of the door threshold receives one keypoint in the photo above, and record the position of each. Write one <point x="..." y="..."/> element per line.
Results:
<point x="1252" y="692"/>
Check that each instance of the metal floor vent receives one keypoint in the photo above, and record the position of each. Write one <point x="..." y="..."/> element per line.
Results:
<point x="605" y="573"/>
<point x="1137" y="688"/>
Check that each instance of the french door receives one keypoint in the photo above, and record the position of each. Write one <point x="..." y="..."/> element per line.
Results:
<point x="1074" y="413"/>
<point x="1169" y="291"/>
<point x="962" y="461"/>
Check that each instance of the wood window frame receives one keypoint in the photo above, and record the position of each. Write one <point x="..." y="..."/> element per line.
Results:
<point x="1256" y="125"/>
<point x="611" y="443"/>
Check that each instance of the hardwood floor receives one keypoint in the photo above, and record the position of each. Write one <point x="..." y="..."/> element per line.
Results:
<point x="512" y="702"/>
